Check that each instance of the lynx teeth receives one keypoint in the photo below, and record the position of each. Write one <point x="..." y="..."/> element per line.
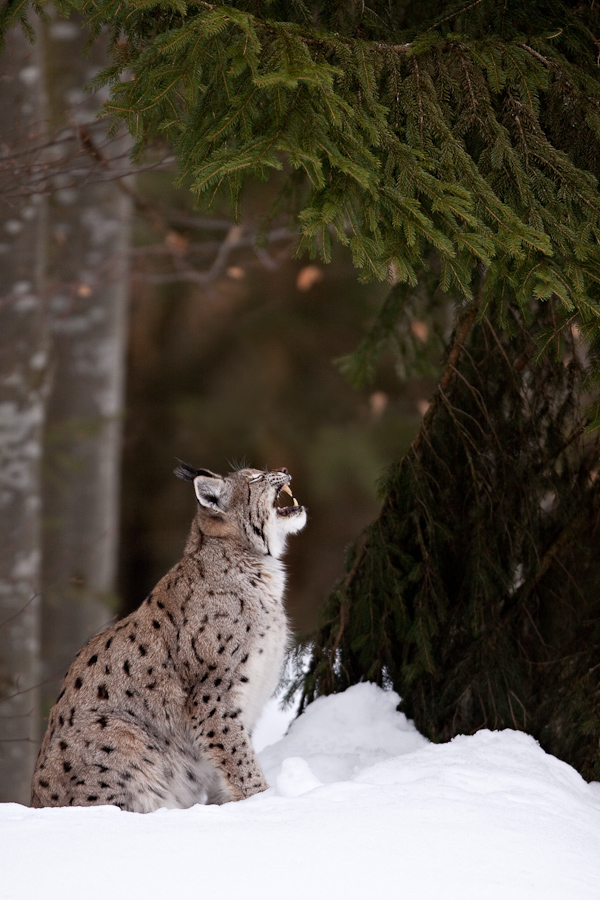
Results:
<point x="286" y="489"/>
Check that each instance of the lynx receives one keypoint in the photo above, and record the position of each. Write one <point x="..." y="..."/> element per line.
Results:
<point x="158" y="710"/>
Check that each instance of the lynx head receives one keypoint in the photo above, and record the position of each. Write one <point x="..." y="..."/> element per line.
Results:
<point x="246" y="504"/>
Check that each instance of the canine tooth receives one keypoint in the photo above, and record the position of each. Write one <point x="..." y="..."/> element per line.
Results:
<point x="286" y="488"/>
<point x="295" y="501"/>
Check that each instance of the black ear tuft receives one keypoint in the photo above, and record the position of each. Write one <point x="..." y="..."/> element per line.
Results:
<point x="185" y="471"/>
<point x="188" y="473"/>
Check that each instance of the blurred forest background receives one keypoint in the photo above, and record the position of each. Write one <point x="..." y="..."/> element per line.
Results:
<point x="244" y="368"/>
<point x="135" y="331"/>
<point x="454" y="150"/>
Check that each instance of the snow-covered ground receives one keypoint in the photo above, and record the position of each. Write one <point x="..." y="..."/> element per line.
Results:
<point x="360" y="806"/>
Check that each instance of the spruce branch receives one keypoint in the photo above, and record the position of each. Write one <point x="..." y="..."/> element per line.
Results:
<point x="537" y="55"/>
<point x="558" y="546"/>
<point x="464" y="323"/>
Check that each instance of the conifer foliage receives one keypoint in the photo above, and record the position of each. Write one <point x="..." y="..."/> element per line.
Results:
<point x="454" y="148"/>
<point x="475" y="593"/>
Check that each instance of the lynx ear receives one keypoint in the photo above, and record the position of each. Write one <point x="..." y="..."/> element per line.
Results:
<point x="211" y="491"/>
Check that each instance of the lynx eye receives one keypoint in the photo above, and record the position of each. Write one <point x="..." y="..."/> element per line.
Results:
<point x="253" y="478"/>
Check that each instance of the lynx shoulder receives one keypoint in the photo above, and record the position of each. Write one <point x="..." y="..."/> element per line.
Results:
<point x="158" y="710"/>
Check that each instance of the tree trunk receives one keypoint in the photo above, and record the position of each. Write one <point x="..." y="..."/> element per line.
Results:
<point x="23" y="357"/>
<point x="88" y="270"/>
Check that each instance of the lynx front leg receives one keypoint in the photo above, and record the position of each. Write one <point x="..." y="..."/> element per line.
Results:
<point x="227" y="744"/>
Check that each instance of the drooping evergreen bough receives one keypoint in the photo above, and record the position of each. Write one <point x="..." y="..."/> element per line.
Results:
<point x="454" y="148"/>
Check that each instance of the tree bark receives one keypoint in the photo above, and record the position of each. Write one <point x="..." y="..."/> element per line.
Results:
<point x="88" y="274"/>
<point x="23" y="365"/>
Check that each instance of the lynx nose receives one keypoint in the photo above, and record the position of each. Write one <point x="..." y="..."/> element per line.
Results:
<point x="283" y="470"/>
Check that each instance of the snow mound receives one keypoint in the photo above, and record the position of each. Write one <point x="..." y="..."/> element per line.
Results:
<point x="344" y="733"/>
<point x="360" y="806"/>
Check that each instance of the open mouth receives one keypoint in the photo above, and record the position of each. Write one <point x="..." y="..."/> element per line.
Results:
<point x="286" y="509"/>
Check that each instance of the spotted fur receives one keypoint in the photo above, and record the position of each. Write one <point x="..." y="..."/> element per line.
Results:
<point x="158" y="710"/>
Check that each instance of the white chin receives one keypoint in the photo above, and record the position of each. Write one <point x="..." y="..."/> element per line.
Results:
<point x="292" y="524"/>
<point x="280" y="527"/>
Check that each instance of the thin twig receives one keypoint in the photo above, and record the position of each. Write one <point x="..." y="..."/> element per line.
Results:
<point x="453" y="15"/>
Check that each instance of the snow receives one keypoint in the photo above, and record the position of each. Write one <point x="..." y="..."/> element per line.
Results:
<point x="360" y="805"/>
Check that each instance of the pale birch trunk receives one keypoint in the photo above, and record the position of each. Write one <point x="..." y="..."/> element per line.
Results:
<point x="88" y="272"/>
<point x="23" y="363"/>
